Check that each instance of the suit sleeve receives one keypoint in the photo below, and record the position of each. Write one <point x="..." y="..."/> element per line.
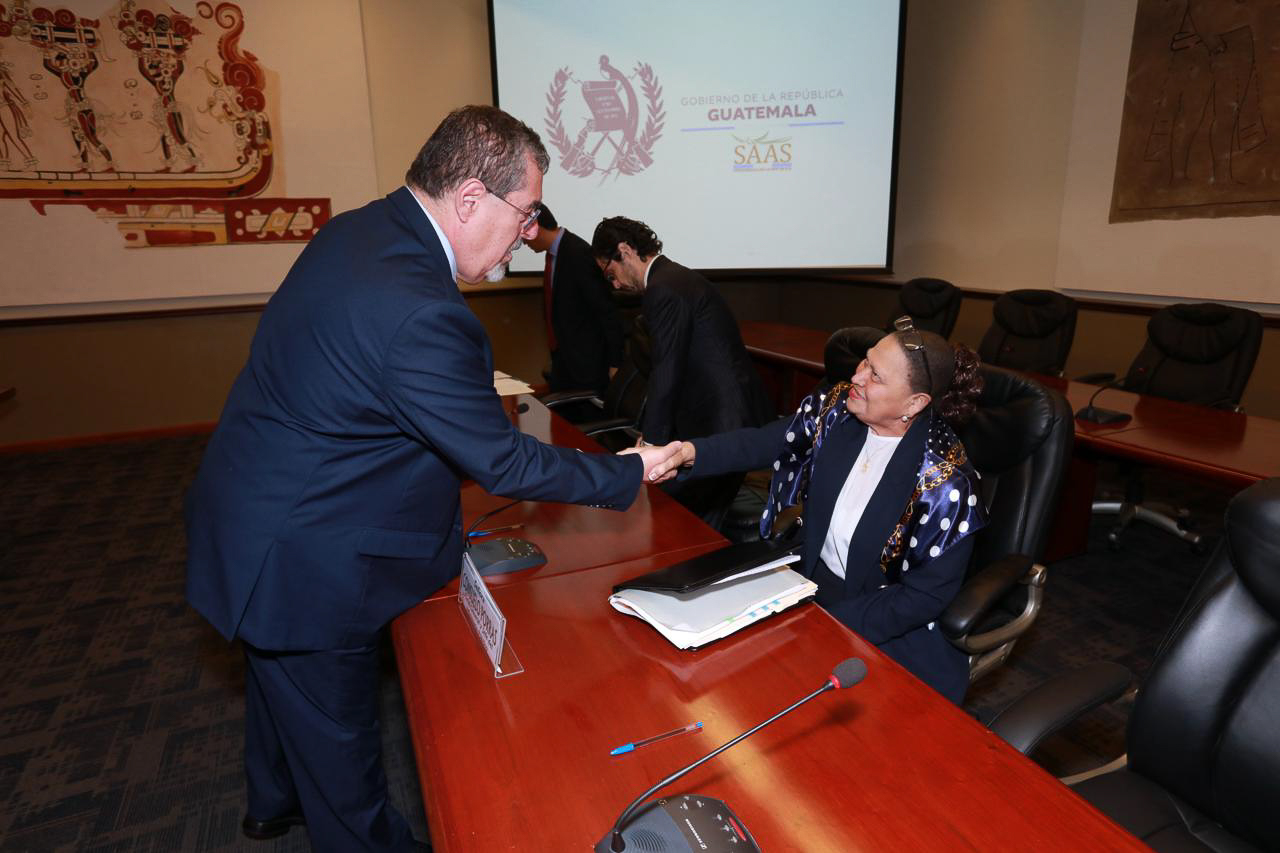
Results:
<point x="738" y="450"/>
<point x="598" y="299"/>
<point x="439" y="387"/>
<point x="670" y="320"/>
<point x="897" y="609"/>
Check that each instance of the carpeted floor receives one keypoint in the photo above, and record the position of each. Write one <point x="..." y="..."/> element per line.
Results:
<point x="121" y="711"/>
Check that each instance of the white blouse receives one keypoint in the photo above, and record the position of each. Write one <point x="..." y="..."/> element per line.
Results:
<point x="858" y="487"/>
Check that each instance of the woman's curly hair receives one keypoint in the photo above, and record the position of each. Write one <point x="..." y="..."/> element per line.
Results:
<point x="961" y="399"/>
<point x="956" y="380"/>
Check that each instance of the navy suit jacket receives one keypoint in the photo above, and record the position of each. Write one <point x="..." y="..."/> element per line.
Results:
<point x="584" y="318"/>
<point x="327" y="501"/>
<point x="702" y="380"/>
<point x="896" y="617"/>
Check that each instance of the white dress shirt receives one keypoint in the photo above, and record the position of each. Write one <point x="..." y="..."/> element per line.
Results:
<point x="854" y="496"/>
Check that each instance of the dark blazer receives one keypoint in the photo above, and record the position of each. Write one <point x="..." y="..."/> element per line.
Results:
<point x="327" y="501"/>
<point x="702" y="381"/>
<point x="584" y="318"/>
<point x="896" y="617"/>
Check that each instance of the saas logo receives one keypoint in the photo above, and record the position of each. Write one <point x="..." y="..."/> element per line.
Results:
<point x="761" y="154"/>
<point x="608" y="142"/>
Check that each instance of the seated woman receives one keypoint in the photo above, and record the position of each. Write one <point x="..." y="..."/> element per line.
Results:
<point x="890" y="498"/>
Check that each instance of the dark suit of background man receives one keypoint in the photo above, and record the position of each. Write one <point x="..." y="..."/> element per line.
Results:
<point x="327" y="501"/>
<point x="702" y="381"/>
<point x="584" y="332"/>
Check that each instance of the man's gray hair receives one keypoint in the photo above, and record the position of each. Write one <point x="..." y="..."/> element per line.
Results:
<point x="476" y="142"/>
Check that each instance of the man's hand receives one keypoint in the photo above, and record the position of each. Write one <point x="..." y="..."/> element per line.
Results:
<point x="687" y="454"/>
<point x="660" y="463"/>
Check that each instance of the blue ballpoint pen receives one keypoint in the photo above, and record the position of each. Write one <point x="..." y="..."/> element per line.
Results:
<point x="629" y="747"/>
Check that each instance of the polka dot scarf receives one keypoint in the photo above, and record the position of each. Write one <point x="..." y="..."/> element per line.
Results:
<point x="814" y="418"/>
<point x="944" y="508"/>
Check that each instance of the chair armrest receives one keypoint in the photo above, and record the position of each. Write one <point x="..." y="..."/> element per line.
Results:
<point x="607" y="425"/>
<point x="981" y="592"/>
<point x="560" y="398"/>
<point x="1050" y="706"/>
<point x="1096" y="378"/>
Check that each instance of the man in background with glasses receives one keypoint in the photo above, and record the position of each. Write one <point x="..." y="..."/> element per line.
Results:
<point x="327" y="501"/>
<point x="584" y="331"/>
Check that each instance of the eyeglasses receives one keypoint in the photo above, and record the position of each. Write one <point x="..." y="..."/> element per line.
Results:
<point x="912" y="342"/>
<point x="530" y="215"/>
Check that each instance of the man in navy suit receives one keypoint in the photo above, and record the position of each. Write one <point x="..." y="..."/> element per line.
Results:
<point x="584" y="332"/>
<point x="327" y="501"/>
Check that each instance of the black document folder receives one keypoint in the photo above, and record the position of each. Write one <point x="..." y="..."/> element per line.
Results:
<point x="700" y="571"/>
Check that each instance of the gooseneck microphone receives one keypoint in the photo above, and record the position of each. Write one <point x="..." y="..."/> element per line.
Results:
<point x="1095" y="415"/>
<point x="678" y="824"/>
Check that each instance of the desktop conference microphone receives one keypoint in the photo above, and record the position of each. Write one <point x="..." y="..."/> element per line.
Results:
<point x="499" y="555"/>
<point x="1093" y="414"/>
<point x="677" y="825"/>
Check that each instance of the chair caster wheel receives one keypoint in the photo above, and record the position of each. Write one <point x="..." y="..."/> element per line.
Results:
<point x="1113" y="542"/>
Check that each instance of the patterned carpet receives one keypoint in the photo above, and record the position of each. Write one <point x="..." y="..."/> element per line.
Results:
<point x="121" y="711"/>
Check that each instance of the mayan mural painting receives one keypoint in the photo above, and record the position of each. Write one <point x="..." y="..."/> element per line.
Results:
<point x="1200" y="132"/>
<point x="153" y="115"/>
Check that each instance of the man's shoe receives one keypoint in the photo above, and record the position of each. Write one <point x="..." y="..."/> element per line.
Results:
<point x="264" y="830"/>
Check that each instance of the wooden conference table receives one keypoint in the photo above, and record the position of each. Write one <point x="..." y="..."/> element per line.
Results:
<point x="522" y="763"/>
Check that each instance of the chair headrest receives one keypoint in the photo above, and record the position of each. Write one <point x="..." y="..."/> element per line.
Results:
<point x="924" y="297"/>
<point x="846" y="348"/>
<point x="1199" y="332"/>
<point x="1032" y="313"/>
<point x="1253" y="534"/>
<point x="1015" y="415"/>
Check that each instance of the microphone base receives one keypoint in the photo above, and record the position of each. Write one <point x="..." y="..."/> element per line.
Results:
<point x="1095" y="415"/>
<point x="683" y="825"/>
<point x="505" y="554"/>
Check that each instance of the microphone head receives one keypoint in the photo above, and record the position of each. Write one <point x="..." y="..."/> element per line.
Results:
<point x="849" y="672"/>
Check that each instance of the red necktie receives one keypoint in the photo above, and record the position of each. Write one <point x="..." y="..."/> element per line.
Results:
<point x="546" y="302"/>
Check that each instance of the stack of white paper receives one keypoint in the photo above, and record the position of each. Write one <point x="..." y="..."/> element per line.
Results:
<point x="693" y="619"/>
<point x="508" y="386"/>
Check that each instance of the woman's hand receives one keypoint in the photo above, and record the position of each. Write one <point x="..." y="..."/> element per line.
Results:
<point x="660" y="463"/>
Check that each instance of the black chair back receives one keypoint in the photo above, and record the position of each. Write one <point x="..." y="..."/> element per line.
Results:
<point x="1197" y="353"/>
<point x="1030" y="330"/>
<point x="1019" y="440"/>
<point x="1206" y="725"/>
<point x="628" y="390"/>
<point x="932" y="304"/>
<point x="845" y="350"/>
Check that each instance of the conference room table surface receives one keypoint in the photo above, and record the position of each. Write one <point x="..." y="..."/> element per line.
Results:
<point x="576" y="537"/>
<point x="1231" y="448"/>
<point x="523" y="762"/>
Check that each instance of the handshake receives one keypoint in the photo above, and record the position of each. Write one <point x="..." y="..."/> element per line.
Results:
<point x="661" y="462"/>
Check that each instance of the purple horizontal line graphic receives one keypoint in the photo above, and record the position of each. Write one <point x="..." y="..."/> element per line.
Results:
<point x="811" y="123"/>
<point x="696" y="129"/>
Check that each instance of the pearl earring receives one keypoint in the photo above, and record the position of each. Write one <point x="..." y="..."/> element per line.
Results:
<point x="906" y="418"/>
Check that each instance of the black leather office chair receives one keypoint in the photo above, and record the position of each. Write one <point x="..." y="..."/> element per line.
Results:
<point x="1203" y="739"/>
<point x="845" y="350"/>
<point x="1030" y="330"/>
<point x="1019" y="440"/>
<point x="1195" y="353"/>
<point x="612" y="419"/>
<point x="933" y="305"/>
